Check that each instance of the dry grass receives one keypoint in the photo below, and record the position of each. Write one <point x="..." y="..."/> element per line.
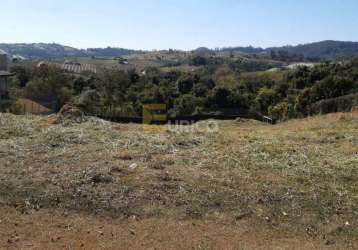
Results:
<point x="300" y="176"/>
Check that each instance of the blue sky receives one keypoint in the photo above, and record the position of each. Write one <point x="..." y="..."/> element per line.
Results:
<point x="180" y="24"/>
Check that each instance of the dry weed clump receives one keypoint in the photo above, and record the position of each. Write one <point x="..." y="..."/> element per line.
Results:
<point x="17" y="126"/>
<point x="68" y="115"/>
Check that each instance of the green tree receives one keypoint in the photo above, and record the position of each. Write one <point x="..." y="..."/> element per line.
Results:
<point x="22" y="73"/>
<point x="280" y="111"/>
<point x="198" y="61"/>
<point x="186" y="104"/>
<point x="51" y="85"/>
<point x="186" y="84"/>
<point x="265" y="98"/>
<point x="220" y="98"/>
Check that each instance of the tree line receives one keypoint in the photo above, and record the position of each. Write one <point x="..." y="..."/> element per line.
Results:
<point x="212" y="88"/>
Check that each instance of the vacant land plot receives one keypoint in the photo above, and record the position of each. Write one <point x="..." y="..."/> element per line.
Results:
<point x="248" y="186"/>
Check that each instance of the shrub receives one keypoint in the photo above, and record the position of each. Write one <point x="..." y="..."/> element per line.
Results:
<point x="265" y="98"/>
<point x="279" y="112"/>
<point x="186" y="105"/>
<point x="340" y="104"/>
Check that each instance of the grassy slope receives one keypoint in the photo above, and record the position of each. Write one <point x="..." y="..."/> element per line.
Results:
<point x="300" y="176"/>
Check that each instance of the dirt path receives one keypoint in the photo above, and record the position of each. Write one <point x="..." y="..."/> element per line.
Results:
<point x="48" y="229"/>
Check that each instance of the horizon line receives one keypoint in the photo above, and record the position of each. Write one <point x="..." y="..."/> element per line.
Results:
<point x="165" y="49"/>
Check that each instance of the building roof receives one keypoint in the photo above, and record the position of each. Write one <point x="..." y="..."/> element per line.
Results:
<point x="5" y="73"/>
<point x="2" y="52"/>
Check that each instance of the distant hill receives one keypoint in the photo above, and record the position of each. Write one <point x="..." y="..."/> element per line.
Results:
<point x="322" y="50"/>
<point x="311" y="51"/>
<point x="40" y="50"/>
<point x="108" y="52"/>
<point x="53" y="50"/>
<point x="246" y="50"/>
<point x="202" y="50"/>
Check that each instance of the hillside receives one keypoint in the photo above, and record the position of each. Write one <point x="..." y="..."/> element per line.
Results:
<point x="312" y="51"/>
<point x="58" y="51"/>
<point x="323" y="50"/>
<point x="99" y="184"/>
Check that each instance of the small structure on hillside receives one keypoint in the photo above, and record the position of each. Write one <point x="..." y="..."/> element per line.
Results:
<point x="4" y="75"/>
<point x="17" y="58"/>
<point x="41" y="64"/>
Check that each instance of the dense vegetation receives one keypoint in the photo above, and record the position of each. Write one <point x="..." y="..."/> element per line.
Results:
<point x="215" y="87"/>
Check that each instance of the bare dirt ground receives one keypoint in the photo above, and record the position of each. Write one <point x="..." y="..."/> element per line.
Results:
<point x="100" y="185"/>
<point x="49" y="229"/>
